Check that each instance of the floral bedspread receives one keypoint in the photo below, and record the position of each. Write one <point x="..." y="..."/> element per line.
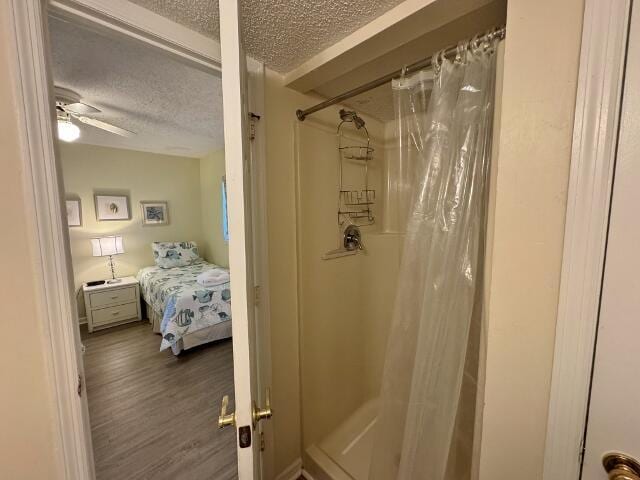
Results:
<point x="185" y="305"/>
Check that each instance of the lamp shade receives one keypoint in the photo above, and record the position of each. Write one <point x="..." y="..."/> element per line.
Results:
<point x="105" y="246"/>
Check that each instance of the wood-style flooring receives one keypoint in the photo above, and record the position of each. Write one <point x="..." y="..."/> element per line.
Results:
<point x="153" y="415"/>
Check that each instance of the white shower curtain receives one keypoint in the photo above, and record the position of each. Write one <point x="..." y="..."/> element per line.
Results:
<point x="445" y="146"/>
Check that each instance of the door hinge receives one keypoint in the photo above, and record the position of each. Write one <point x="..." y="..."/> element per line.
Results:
<point x="256" y="295"/>
<point x="253" y="118"/>
<point x="80" y="385"/>
<point x="262" y="441"/>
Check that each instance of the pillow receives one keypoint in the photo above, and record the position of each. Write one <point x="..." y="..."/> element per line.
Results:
<point x="175" y="254"/>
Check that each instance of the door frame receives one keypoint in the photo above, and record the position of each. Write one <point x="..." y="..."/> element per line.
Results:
<point x="28" y="66"/>
<point x="595" y="135"/>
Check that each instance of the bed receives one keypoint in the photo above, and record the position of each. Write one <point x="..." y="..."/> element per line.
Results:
<point x="183" y="311"/>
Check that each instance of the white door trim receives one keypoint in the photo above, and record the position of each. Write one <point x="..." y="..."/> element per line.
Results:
<point x="595" y="134"/>
<point x="28" y="67"/>
<point x="255" y="71"/>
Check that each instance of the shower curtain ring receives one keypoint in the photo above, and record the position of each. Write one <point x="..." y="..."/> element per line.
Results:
<point x="459" y="51"/>
<point x="488" y="40"/>
<point x="475" y="43"/>
<point x="436" y="63"/>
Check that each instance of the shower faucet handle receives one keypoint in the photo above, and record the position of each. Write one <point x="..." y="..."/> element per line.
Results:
<point x="352" y="238"/>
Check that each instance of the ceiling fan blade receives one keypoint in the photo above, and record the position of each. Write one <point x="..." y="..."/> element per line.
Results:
<point x="105" y="126"/>
<point x="80" y="108"/>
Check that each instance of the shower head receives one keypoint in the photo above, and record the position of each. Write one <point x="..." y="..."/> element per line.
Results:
<point x="351" y="116"/>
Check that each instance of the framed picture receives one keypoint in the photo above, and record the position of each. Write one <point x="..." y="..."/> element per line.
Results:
<point x="74" y="213"/>
<point x="154" y="213"/>
<point x="112" y="207"/>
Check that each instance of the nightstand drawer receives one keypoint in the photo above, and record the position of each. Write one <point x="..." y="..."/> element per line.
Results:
<point x="113" y="314"/>
<point x="111" y="296"/>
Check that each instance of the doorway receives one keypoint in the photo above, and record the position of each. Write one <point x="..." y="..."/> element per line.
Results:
<point x="45" y="195"/>
<point x="141" y="149"/>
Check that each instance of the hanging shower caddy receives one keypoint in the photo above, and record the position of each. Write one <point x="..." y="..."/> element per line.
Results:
<point x="355" y="201"/>
<point x="354" y="204"/>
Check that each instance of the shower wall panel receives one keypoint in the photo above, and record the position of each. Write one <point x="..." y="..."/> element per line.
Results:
<point x="344" y="303"/>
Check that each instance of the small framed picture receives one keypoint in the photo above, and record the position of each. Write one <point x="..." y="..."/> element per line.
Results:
<point x="112" y="207"/>
<point x="74" y="213"/>
<point x="154" y="213"/>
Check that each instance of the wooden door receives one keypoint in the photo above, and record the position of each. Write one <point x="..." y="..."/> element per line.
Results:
<point x="238" y="171"/>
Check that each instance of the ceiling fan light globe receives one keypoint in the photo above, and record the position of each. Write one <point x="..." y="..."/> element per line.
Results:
<point x="67" y="131"/>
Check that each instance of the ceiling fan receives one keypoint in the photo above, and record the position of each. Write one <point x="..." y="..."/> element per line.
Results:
<point x="68" y="106"/>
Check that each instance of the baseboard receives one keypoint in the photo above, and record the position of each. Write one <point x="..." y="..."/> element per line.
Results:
<point x="306" y="475"/>
<point x="292" y="472"/>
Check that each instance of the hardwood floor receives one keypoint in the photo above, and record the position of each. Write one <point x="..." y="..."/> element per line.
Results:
<point x="153" y="415"/>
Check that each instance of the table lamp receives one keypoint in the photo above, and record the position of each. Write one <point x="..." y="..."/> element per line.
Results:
<point x="108" y="247"/>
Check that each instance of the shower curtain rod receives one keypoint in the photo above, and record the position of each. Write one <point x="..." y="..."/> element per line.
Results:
<point x="449" y="52"/>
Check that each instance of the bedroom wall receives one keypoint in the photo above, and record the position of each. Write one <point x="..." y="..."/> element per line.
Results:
<point x="214" y="247"/>
<point x="89" y="169"/>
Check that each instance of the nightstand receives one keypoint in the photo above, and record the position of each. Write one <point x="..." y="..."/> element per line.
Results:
<point x="112" y="304"/>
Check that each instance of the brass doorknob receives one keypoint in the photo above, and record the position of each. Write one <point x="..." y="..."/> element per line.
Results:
<point x="226" y="419"/>
<point x="266" y="412"/>
<point x="621" y="467"/>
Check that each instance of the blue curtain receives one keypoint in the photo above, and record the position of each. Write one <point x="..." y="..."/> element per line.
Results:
<point x="225" y="218"/>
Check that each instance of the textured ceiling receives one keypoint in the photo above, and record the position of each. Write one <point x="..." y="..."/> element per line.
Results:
<point x="173" y="108"/>
<point x="281" y="33"/>
<point x="378" y="103"/>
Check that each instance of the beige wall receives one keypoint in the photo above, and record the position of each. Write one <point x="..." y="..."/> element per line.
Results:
<point x="89" y="169"/>
<point x="214" y="248"/>
<point x="540" y="74"/>
<point x="28" y="447"/>
<point x="343" y="322"/>
<point x="280" y="106"/>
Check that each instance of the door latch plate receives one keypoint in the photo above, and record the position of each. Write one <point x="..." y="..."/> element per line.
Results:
<point x="244" y="436"/>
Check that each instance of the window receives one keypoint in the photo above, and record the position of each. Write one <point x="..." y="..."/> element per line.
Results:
<point x="225" y="218"/>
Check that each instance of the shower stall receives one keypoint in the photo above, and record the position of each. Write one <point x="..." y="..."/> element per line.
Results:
<point x="345" y="299"/>
<point x="390" y="322"/>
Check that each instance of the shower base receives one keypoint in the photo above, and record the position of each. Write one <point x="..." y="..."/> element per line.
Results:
<point x="345" y="454"/>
